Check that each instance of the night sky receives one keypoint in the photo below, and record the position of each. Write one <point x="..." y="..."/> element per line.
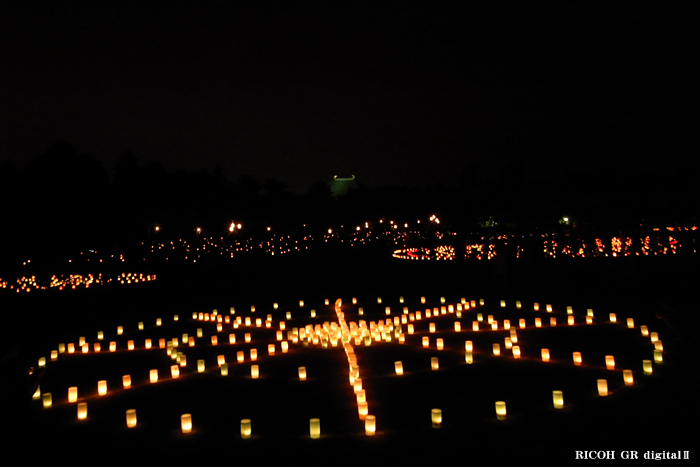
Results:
<point x="396" y="95"/>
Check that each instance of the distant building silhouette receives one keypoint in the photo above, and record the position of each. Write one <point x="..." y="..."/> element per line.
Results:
<point x="340" y="186"/>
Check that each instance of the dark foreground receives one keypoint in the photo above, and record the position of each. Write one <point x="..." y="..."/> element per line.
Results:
<point x="656" y="414"/>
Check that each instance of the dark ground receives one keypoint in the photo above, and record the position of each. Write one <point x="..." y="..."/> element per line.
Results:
<point x="657" y="413"/>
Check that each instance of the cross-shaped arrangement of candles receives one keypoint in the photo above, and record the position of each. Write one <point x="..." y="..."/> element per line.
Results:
<point x="216" y="343"/>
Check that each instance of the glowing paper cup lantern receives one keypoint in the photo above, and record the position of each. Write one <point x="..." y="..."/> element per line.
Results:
<point x="628" y="377"/>
<point x="558" y="399"/>
<point x="370" y="425"/>
<point x="610" y="362"/>
<point x="46" y="399"/>
<point x="82" y="410"/>
<point x="254" y="371"/>
<point x="131" y="418"/>
<point x="102" y="387"/>
<point x="126" y="381"/>
<point x="436" y="417"/>
<point x="302" y="373"/>
<point x="501" y="410"/>
<point x="434" y="363"/>
<point x="245" y="428"/>
<point x="73" y="394"/>
<point x="315" y="428"/>
<point x="186" y="422"/>
<point x="603" y="387"/>
<point x="469" y="357"/>
<point x="646" y="365"/>
<point x="658" y="356"/>
<point x="153" y="376"/>
<point x="577" y="358"/>
<point x="497" y="349"/>
<point x="175" y="371"/>
<point x="200" y="366"/>
<point x="440" y="344"/>
<point x="545" y="355"/>
<point x="398" y="367"/>
<point x="224" y="369"/>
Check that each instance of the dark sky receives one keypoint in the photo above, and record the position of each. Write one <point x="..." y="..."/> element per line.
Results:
<point x="399" y="94"/>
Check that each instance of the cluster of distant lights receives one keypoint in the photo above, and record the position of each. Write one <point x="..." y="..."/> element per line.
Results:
<point x="466" y="328"/>
<point x="74" y="281"/>
<point x="552" y="247"/>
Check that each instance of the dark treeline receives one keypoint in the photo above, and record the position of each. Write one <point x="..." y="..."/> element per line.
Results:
<point x="62" y="201"/>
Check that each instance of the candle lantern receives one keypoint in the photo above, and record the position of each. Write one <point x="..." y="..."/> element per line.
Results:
<point x="538" y="322"/>
<point x="440" y="344"/>
<point x="577" y="358"/>
<point x="46" y="399"/>
<point x="501" y="410"/>
<point x="302" y="373"/>
<point x="120" y="330"/>
<point x="220" y="359"/>
<point x="131" y="418"/>
<point x="603" y="387"/>
<point x="658" y="356"/>
<point x="503" y="303"/>
<point x="628" y="377"/>
<point x="552" y="321"/>
<point x="130" y="345"/>
<point x="214" y="340"/>
<point x="458" y="326"/>
<point x="475" y="325"/>
<point x="398" y="367"/>
<point x="426" y="341"/>
<point x="247" y="336"/>
<point x="518" y="305"/>
<point x="200" y="366"/>
<point x="549" y="308"/>
<point x="613" y="318"/>
<point x="497" y="349"/>
<point x="432" y="327"/>
<point x="658" y="345"/>
<point x="148" y="343"/>
<point x="254" y="371"/>
<point x="630" y="323"/>
<point x="102" y="387"/>
<point x="253" y="354"/>
<point x="370" y="425"/>
<point x="558" y="399"/>
<point x="245" y="428"/>
<point x="536" y="307"/>
<point x="654" y="336"/>
<point x="182" y="360"/>
<point x="140" y="325"/>
<point x="570" y="320"/>
<point x="175" y="371"/>
<point x="126" y="381"/>
<point x="509" y="343"/>
<point x="469" y="357"/>
<point x="610" y="362"/>
<point x="468" y="346"/>
<point x="270" y="349"/>
<point x="436" y="417"/>
<point x="545" y="355"/>
<point x="72" y="394"/>
<point x="646" y="365"/>
<point x="434" y="363"/>
<point x="285" y="346"/>
<point x="315" y="428"/>
<point x="240" y="356"/>
<point x="82" y="410"/>
<point x="644" y="329"/>
<point x="362" y="410"/>
<point x="516" y="352"/>
<point x="186" y="422"/>
<point x="153" y="376"/>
